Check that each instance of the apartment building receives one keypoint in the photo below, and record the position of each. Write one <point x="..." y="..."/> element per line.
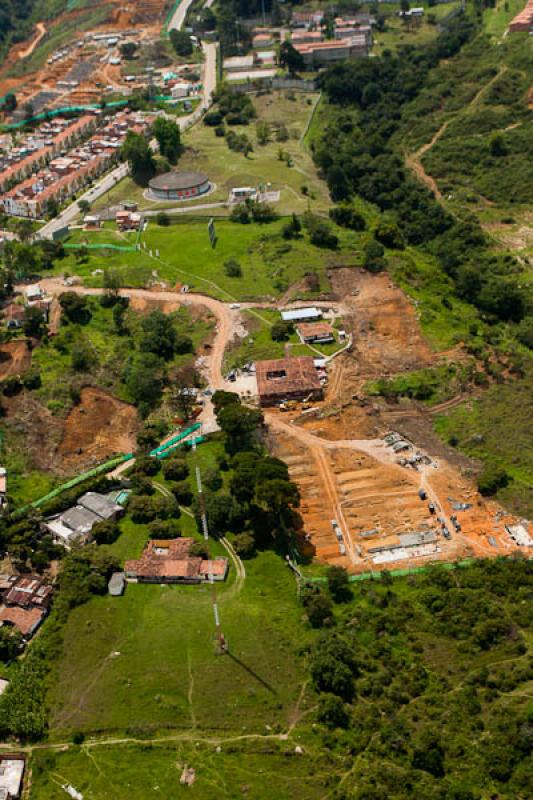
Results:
<point x="70" y="172"/>
<point x="37" y="148"/>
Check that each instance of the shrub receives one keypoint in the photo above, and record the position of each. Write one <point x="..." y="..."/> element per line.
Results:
<point x="390" y="235"/>
<point x="281" y="331"/>
<point x="165" y="528"/>
<point x="345" y="216"/>
<point x="492" y="479"/>
<point x="244" y="545"/>
<point x="175" y="469"/>
<point x="163" y="219"/>
<point x="146" y="465"/>
<point x="213" y="118"/>
<point x="232" y="268"/>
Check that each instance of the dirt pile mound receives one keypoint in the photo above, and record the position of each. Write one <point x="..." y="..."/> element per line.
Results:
<point x="15" y="358"/>
<point x="99" y="427"/>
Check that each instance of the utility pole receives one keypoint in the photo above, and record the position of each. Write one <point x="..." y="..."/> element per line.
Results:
<point x="220" y="640"/>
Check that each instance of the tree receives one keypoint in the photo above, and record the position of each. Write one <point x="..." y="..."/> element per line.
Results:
<point x="221" y="399"/>
<point x="84" y="205"/>
<point x="390" y="235"/>
<point x="181" y="42"/>
<point x="232" y="268"/>
<point x="492" y="479"/>
<point x="165" y="528"/>
<point x="158" y="335"/>
<point x="338" y="584"/>
<point x="244" y="545"/>
<point x="168" y="138"/>
<point x="128" y="50"/>
<point x="144" y="378"/>
<point x="175" y="469"/>
<point x="34" y="324"/>
<point x="321" y="235"/>
<point x="373" y="256"/>
<point x="262" y="132"/>
<point x="240" y="425"/>
<point x="318" y="608"/>
<point x="498" y="146"/>
<point x="199" y="550"/>
<point x="345" y="216"/>
<point x="106" y="532"/>
<point x="136" y="151"/>
<point x="82" y="356"/>
<point x="163" y="219"/>
<point x="332" y="711"/>
<point x="75" y="307"/>
<point x="10" y="102"/>
<point x="292" y="229"/>
<point x="281" y="331"/>
<point x="289" y="58"/>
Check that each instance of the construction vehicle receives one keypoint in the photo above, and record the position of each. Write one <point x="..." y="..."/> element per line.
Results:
<point x="422" y="494"/>
<point x="288" y="405"/>
<point x="307" y="401"/>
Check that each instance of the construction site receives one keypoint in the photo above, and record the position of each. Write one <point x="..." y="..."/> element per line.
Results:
<point x="379" y="490"/>
<point x="89" y="65"/>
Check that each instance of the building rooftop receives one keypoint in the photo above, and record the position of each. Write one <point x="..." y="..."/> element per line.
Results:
<point x="306" y="329"/>
<point x="286" y="375"/>
<point x="11" y="773"/>
<point x="169" y="559"/>
<point x="27" y="620"/>
<point x="296" y="314"/>
<point x="99" y="504"/>
<point x="178" y="181"/>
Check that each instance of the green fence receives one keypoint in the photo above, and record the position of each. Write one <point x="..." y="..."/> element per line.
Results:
<point x="56" y="112"/>
<point x="164" y="31"/>
<point x="119" y="247"/>
<point x="105" y="467"/>
<point x="398" y="573"/>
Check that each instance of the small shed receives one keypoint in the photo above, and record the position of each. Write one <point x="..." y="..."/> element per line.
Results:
<point x="117" y="584"/>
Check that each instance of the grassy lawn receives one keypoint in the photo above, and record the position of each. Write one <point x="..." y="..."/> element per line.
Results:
<point x="495" y="429"/>
<point x="269" y="263"/>
<point x="260" y="769"/>
<point x="226" y="169"/>
<point x="258" y="344"/>
<point x="496" y="20"/>
<point x="167" y="674"/>
<point x="398" y="34"/>
<point x="445" y="320"/>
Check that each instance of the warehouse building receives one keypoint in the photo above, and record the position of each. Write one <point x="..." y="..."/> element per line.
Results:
<point x="309" y="314"/>
<point x="288" y="379"/>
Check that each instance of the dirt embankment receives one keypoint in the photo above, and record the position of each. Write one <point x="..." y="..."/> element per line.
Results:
<point x="99" y="427"/>
<point x="15" y="358"/>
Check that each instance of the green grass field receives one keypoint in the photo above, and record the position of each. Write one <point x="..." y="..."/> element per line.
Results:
<point x="167" y="675"/>
<point x="264" y="769"/>
<point x="258" y="344"/>
<point x="269" y="263"/>
<point x="496" y="429"/>
<point x="226" y="169"/>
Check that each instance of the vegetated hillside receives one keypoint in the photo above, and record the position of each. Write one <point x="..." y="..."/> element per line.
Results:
<point x="423" y="683"/>
<point x="18" y="16"/>
<point x="478" y="102"/>
<point x="376" y="111"/>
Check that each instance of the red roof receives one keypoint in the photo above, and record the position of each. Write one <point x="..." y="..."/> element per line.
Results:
<point x="286" y="375"/>
<point x="27" y="620"/>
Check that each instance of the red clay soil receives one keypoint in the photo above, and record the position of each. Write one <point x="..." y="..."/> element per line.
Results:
<point x="99" y="427"/>
<point x="15" y="358"/>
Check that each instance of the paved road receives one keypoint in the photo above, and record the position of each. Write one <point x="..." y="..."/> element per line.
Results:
<point x="180" y="13"/>
<point x="71" y="212"/>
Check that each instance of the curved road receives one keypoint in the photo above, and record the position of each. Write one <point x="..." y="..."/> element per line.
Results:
<point x="227" y="319"/>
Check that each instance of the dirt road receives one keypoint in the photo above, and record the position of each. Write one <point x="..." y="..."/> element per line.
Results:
<point x="226" y="327"/>
<point x="41" y="33"/>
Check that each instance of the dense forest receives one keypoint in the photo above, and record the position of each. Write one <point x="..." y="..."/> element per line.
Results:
<point x="18" y="16"/>
<point x="423" y="682"/>
<point x="360" y="153"/>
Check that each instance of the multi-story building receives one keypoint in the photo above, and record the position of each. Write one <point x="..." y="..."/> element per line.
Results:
<point x="36" y="149"/>
<point x="72" y="170"/>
